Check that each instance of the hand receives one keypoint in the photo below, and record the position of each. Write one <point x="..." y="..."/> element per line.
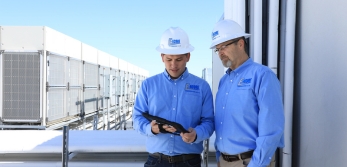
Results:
<point x="218" y="164"/>
<point x="166" y="128"/>
<point x="154" y="127"/>
<point x="189" y="137"/>
<point x="170" y="129"/>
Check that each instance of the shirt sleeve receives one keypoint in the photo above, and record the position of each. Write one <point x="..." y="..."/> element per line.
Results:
<point x="270" y="119"/>
<point x="141" y="124"/>
<point x="205" y="129"/>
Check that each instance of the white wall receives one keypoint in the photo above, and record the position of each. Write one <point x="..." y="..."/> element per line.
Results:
<point x="319" y="127"/>
<point x="19" y="38"/>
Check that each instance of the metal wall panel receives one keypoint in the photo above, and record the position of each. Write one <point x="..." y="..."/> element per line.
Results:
<point x="73" y="98"/>
<point x="91" y="87"/>
<point x="123" y="65"/>
<point x="56" y="104"/>
<point x="89" y="54"/>
<point x="113" y="88"/>
<point x="136" y="70"/>
<point x="103" y="59"/>
<point x="73" y="101"/>
<point x="73" y="48"/>
<point x="58" y="42"/>
<point x="103" y="80"/>
<point x="114" y="62"/>
<point x="319" y="135"/>
<point x="57" y="74"/>
<point x="101" y="90"/>
<point x="91" y="75"/>
<point x="57" y="71"/>
<point x="21" y="87"/>
<point x="75" y="78"/>
<point x="90" y="100"/>
<point x="22" y="38"/>
<point x="55" y="41"/>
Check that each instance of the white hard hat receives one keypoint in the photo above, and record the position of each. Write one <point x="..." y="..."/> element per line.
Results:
<point x="225" y="30"/>
<point x="174" y="41"/>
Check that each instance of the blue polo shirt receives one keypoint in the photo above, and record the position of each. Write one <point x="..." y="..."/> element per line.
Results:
<point x="187" y="100"/>
<point x="249" y="113"/>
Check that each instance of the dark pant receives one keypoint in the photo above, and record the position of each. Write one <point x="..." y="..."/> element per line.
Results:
<point x="160" y="162"/>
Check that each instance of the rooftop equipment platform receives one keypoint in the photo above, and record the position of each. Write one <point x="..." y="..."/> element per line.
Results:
<point x="19" y="148"/>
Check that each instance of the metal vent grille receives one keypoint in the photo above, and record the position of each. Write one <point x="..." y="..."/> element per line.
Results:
<point x="57" y="71"/>
<point x="91" y="88"/>
<point x="113" y="89"/>
<point x="56" y="77"/>
<point x="73" y="101"/>
<point x="55" y="103"/>
<point x="101" y="82"/>
<point x="21" y="87"/>
<point x="90" y="99"/>
<point x="75" y="73"/>
<point x="73" y="95"/>
<point x="91" y="72"/>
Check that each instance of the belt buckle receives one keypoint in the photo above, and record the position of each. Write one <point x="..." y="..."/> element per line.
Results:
<point x="170" y="159"/>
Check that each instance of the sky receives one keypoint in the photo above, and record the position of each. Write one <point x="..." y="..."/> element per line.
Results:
<point x="127" y="29"/>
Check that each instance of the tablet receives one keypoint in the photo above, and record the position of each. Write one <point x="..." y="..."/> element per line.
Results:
<point x="160" y="120"/>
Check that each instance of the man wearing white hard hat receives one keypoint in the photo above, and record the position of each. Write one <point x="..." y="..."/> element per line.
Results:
<point x="176" y="96"/>
<point x="249" y="116"/>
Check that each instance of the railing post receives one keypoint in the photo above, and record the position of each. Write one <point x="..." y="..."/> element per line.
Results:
<point x="205" y="153"/>
<point x="65" y="154"/>
<point x="95" y="121"/>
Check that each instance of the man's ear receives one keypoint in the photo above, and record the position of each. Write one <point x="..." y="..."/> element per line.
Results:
<point x="241" y="43"/>
<point x="162" y="57"/>
<point x="188" y="56"/>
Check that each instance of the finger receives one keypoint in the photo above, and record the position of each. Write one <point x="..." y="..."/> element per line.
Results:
<point x="187" y="140"/>
<point x="153" y="122"/>
<point x="166" y="127"/>
<point x="184" y="135"/>
<point x="154" y="127"/>
<point x="170" y="129"/>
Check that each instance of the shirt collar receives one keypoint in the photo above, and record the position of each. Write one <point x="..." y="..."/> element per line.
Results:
<point x="183" y="76"/>
<point x="242" y="67"/>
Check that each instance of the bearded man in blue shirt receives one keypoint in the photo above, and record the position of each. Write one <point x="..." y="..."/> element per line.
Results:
<point x="177" y="96"/>
<point x="249" y="116"/>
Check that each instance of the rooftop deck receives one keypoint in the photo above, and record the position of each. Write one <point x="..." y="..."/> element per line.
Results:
<point x="86" y="148"/>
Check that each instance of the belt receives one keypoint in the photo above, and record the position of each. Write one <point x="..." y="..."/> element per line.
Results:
<point x="242" y="156"/>
<point x="176" y="158"/>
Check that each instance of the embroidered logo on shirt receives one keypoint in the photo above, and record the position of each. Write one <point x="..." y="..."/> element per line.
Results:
<point x="191" y="88"/>
<point x="244" y="82"/>
<point x="174" y="42"/>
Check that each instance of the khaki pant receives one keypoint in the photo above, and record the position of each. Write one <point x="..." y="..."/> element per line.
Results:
<point x="243" y="163"/>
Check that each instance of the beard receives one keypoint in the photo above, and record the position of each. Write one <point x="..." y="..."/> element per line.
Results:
<point x="227" y="64"/>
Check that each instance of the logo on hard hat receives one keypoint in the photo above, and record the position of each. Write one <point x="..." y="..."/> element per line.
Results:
<point x="174" y="42"/>
<point x="215" y="35"/>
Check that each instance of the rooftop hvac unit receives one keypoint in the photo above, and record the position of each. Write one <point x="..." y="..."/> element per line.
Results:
<point x="20" y="87"/>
